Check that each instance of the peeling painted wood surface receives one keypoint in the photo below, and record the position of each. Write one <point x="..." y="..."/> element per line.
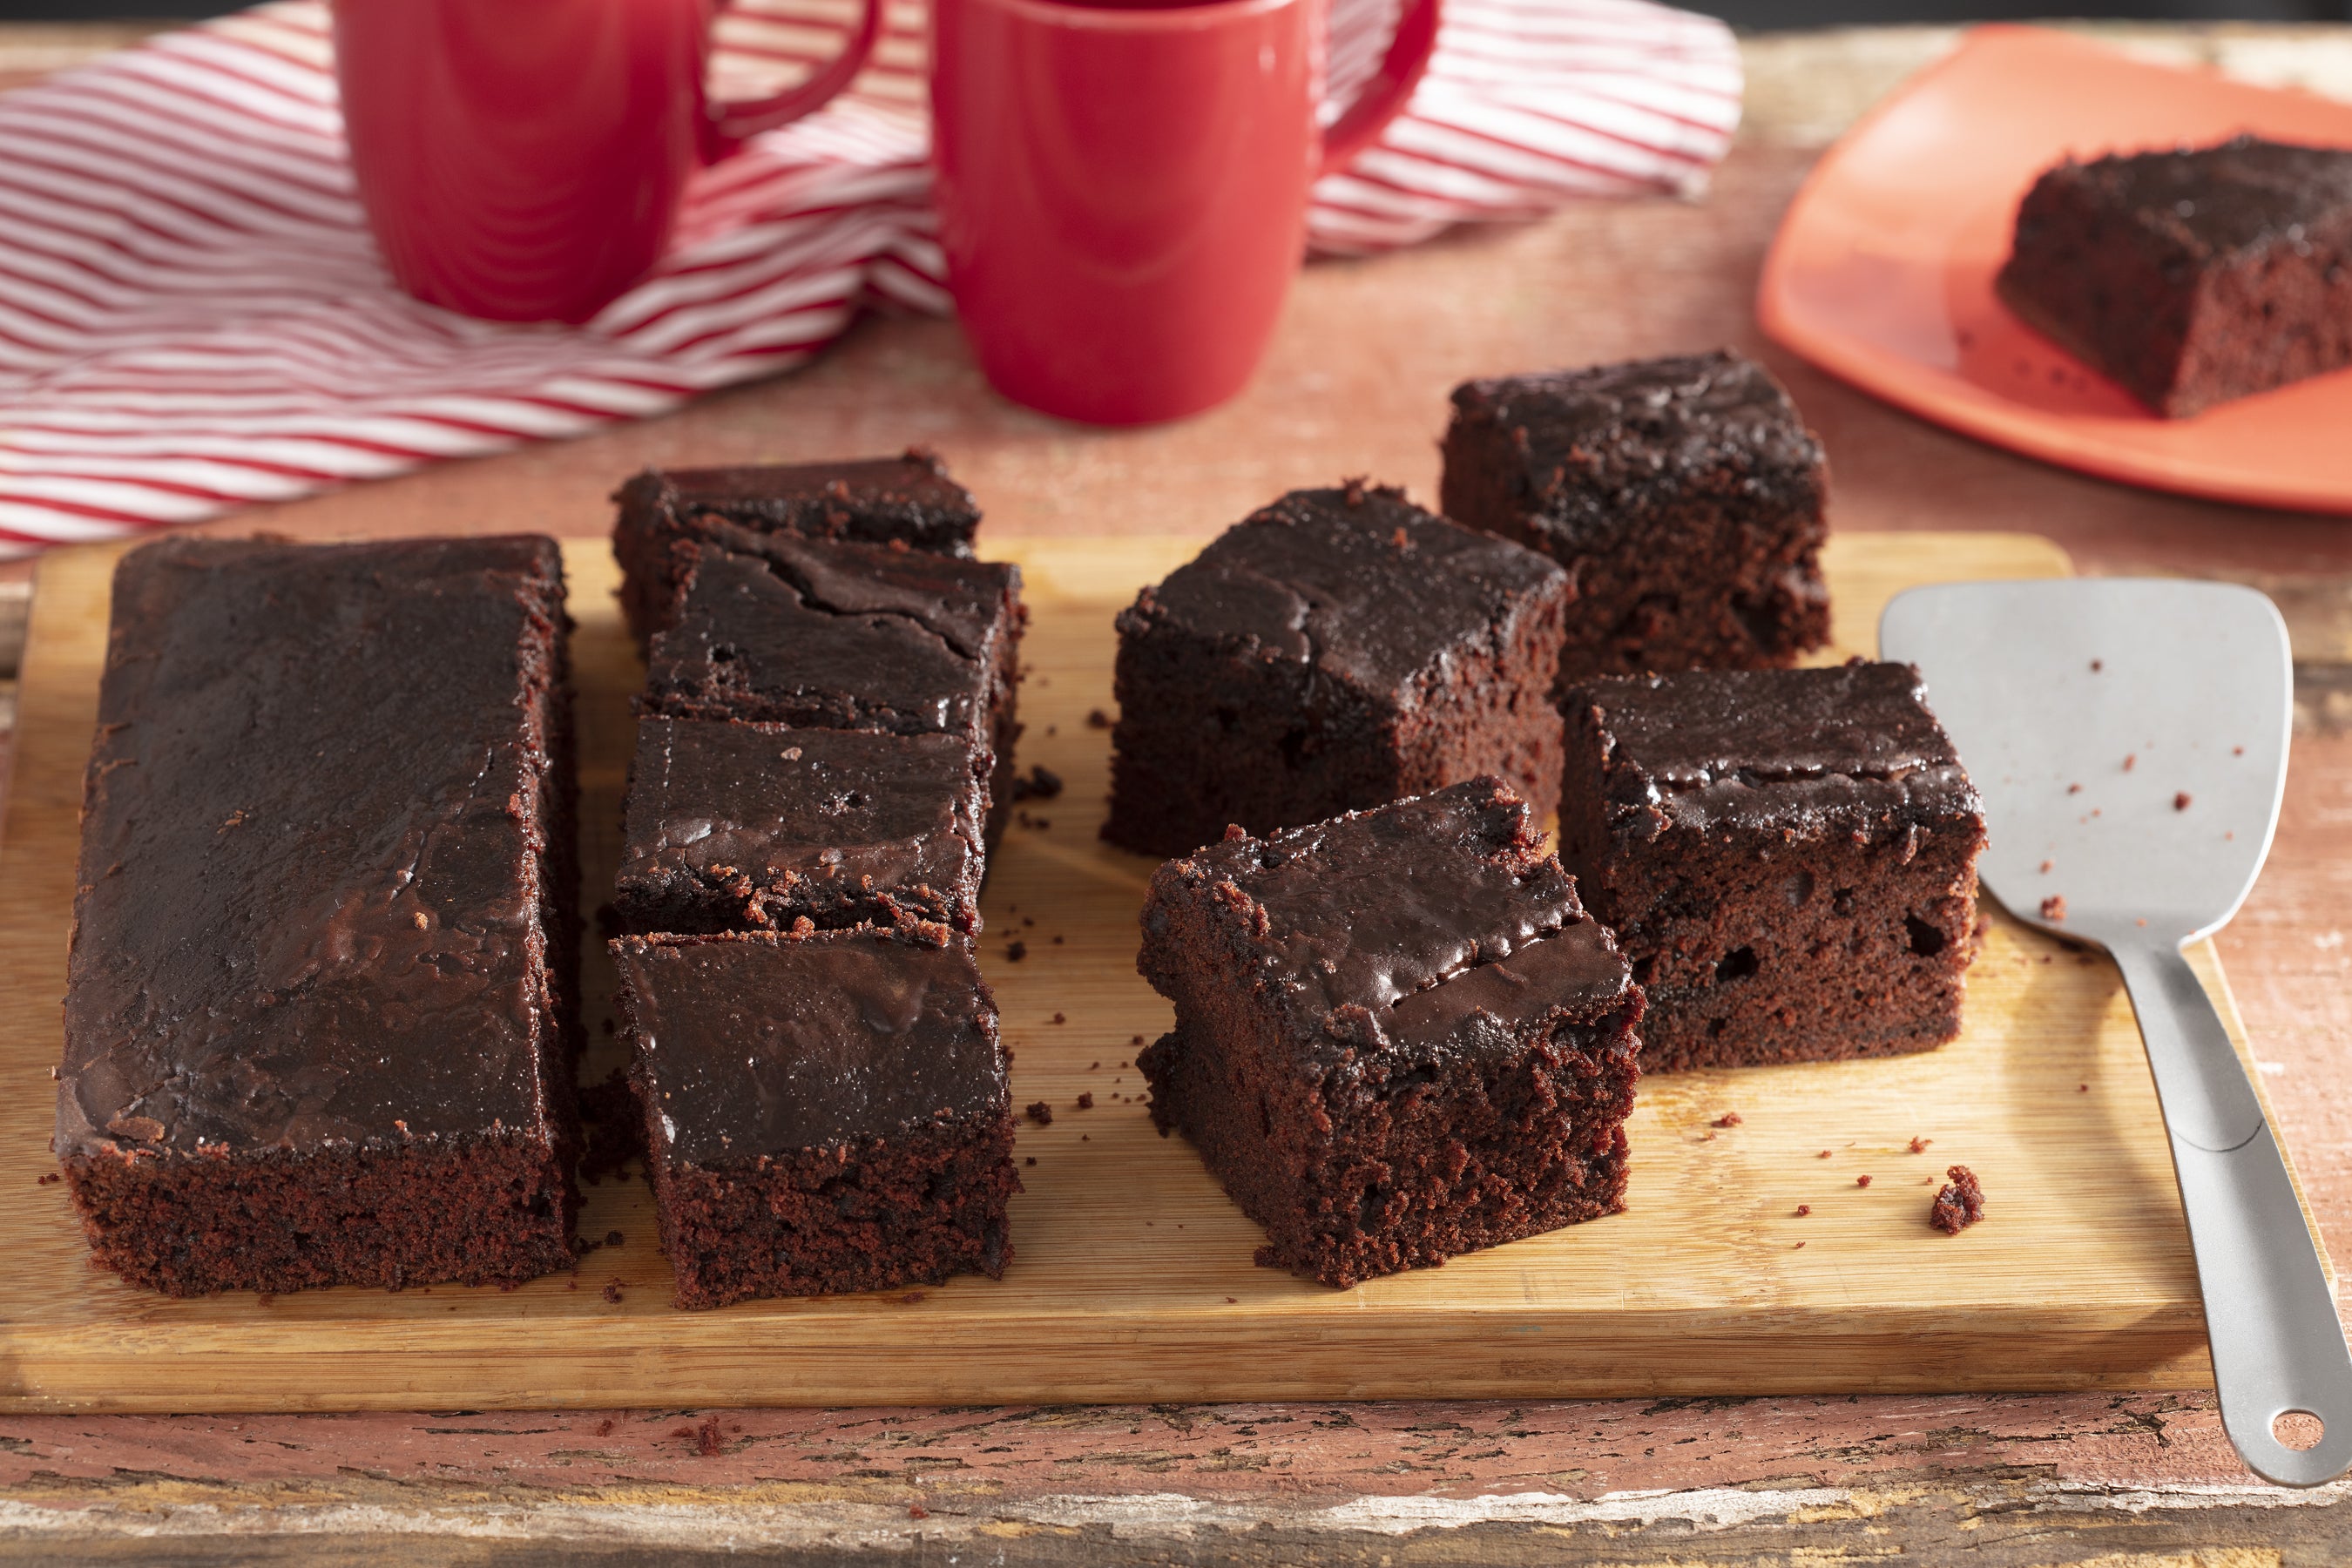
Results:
<point x="2126" y="1481"/>
<point x="2136" y="1480"/>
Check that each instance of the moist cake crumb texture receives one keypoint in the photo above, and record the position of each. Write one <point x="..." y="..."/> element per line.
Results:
<point x="321" y="1021"/>
<point x="826" y="1112"/>
<point x="2191" y="275"/>
<point x="1959" y="1204"/>
<point x="1684" y="496"/>
<point x="1399" y="1037"/>
<point x="1788" y="859"/>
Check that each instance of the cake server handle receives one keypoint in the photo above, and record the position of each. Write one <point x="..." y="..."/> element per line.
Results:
<point x="2278" y="1345"/>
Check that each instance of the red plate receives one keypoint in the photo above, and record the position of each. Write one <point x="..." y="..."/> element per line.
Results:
<point x="1882" y="272"/>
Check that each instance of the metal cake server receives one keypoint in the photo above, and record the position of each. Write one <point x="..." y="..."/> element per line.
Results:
<point x="2132" y="736"/>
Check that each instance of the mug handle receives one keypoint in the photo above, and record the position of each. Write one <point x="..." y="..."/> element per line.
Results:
<point x="1388" y="90"/>
<point x="730" y="125"/>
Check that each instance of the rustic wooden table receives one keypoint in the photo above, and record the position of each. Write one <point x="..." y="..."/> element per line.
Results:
<point x="1355" y="383"/>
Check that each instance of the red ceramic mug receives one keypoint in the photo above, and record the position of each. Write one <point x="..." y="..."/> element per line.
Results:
<point x="522" y="160"/>
<point x="1122" y="187"/>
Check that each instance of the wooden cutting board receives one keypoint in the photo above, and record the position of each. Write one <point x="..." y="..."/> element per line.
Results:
<point x="1133" y="1280"/>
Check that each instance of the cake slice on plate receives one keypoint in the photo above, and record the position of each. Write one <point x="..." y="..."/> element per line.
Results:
<point x="2191" y="275"/>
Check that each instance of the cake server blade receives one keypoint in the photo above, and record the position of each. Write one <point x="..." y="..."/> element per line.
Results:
<point x="2129" y="738"/>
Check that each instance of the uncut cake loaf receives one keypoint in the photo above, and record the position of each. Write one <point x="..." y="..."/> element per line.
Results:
<point x="1683" y="495"/>
<point x="319" y="1019"/>
<point x="1787" y="857"/>
<point x="1339" y="649"/>
<point x="825" y="1112"/>
<point x="2194" y="275"/>
<point x="1399" y="1037"/>
<point x="907" y="500"/>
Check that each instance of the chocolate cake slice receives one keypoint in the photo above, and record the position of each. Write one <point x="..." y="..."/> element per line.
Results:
<point x="1337" y="649"/>
<point x="2191" y="275"/>
<point x="775" y="628"/>
<point x="1684" y="496"/>
<point x="1398" y="1037"/>
<point x="826" y="1112"/>
<point x="735" y="827"/>
<point x="1787" y="857"/>
<point x="907" y="500"/>
<point x="319" y="1019"/>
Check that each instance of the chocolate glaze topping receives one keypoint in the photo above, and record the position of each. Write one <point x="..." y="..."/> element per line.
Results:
<point x="2241" y="195"/>
<point x="842" y="635"/>
<point x="874" y="500"/>
<point x="1772" y="747"/>
<point x="1576" y="967"/>
<point x="832" y="807"/>
<point x="310" y="913"/>
<point x="1401" y="911"/>
<point x="1358" y="580"/>
<point x="1613" y="440"/>
<point x="769" y="1044"/>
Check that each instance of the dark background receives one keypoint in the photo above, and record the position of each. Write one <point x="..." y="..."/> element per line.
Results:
<point x="1756" y="15"/>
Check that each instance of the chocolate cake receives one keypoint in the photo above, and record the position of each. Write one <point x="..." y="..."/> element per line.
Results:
<point x="907" y="500"/>
<point x="1338" y="649"/>
<point x="1397" y="1036"/>
<point x="1960" y="1204"/>
<point x="775" y="628"/>
<point x="2191" y="275"/>
<point x="319" y="1019"/>
<point x="826" y="1113"/>
<point x="734" y="826"/>
<point x="1787" y="857"/>
<point x="1684" y="496"/>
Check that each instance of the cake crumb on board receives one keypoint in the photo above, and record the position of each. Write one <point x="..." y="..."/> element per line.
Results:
<point x="1960" y="1205"/>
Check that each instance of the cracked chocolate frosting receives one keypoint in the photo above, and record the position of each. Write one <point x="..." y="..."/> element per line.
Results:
<point x="1597" y="445"/>
<point x="815" y="821"/>
<point x="906" y="501"/>
<point x="310" y="909"/>
<point x="769" y="1044"/>
<point x="834" y="634"/>
<point x="1356" y="583"/>
<point x="1413" y="918"/>
<point x="1799" y="749"/>
<point x="874" y="500"/>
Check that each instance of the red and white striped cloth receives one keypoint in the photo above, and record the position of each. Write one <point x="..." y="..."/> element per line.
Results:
<point x="192" y="317"/>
